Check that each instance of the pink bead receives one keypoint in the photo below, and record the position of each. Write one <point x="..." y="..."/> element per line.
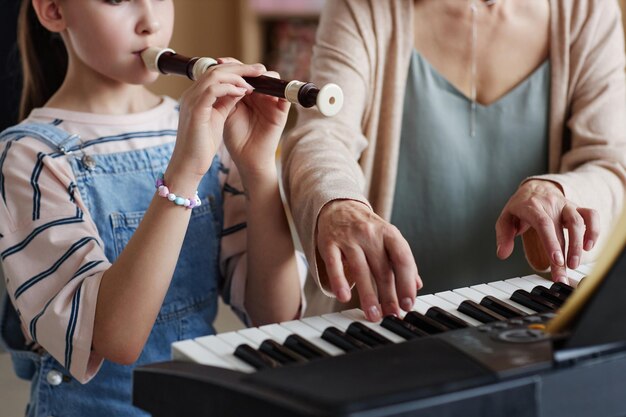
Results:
<point x="192" y="203"/>
<point x="163" y="191"/>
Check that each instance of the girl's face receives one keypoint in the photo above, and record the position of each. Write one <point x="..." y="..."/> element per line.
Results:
<point x="107" y="36"/>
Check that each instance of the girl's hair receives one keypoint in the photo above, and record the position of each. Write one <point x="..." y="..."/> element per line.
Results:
<point x="44" y="60"/>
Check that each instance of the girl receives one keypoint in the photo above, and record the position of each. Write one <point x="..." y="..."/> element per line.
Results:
<point x="102" y="272"/>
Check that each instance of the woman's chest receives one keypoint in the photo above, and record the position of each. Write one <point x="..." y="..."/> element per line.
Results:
<point x="493" y="48"/>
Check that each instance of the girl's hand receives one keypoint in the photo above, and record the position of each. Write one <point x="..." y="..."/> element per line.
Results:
<point x="540" y="208"/>
<point x="253" y="129"/>
<point x="204" y="108"/>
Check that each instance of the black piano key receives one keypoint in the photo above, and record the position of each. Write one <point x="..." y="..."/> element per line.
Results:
<point x="478" y="312"/>
<point x="304" y="348"/>
<point x="367" y="335"/>
<point x="549" y="295"/>
<point x="343" y="341"/>
<point x="562" y="288"/>
<point x="500" y="307"/>
<point x="254" y="358"/>
<point x="531" y="301"/>
<point x="402" y="328"/>
<point x="280" y="353"/>
<point x="425" y="323"/>
<point x="447" y="319"/>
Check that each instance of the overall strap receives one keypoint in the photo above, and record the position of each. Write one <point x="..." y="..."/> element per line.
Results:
<point x="49" y="134"/>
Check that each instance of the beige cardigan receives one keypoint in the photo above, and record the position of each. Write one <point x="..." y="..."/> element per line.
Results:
<point x="365" y="45"/>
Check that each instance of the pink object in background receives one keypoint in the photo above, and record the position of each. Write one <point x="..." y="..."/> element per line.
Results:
<point x="291" y="7"/>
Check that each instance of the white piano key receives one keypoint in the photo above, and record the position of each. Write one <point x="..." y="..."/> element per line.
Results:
<point x="537" y="280"/>
<point x="521" y="283"/>
<point x="235" y="339"/>
<point x="505" y="287"/>
<point x="420" y="306"/>
<point x="585" y="269"/>
<point x="338" y="320"/>
<point x="190" y="351"/>
<point x="276" y="332"/>
<point x="255" y="336"/>
<point x="450" y="308"/>
<point x="318" y="323"/>
<point x="501" y="295"/>
<point x="225" y="351"/>
<point x="312" y="335"/>
<point x="357" y="314"/>
<point x="470" y="294"/>
<point x="450" y="297"/>
<point x="574" y="277"/>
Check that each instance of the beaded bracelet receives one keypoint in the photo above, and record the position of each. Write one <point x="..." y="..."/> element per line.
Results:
<point x="163" y="191"/>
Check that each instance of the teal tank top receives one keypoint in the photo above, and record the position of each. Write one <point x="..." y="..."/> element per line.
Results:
<point x="451" y="187"/>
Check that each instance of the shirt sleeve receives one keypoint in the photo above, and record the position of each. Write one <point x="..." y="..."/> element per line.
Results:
<point x="233" y="257"/>
<point x="51" y="254"/>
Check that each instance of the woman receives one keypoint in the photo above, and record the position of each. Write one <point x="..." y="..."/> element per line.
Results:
<point x="503" y="100"/>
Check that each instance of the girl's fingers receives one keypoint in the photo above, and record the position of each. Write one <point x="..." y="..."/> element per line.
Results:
<point x="272" y="74"/>
<point x="242" y="70"/>
<point x="215" y="91"/>
<point x="222" y="77"/>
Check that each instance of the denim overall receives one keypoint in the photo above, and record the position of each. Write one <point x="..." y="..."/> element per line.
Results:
<point x="117" y="189"/>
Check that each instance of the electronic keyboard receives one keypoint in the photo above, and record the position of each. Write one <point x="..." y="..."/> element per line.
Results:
<point x="479" y="350"/>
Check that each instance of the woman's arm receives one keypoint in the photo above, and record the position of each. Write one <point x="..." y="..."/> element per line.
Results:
<point x="593" y="166"/>
<point x="324" y="182"/>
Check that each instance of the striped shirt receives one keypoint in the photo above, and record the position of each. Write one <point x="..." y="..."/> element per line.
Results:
<point x="52" y="256"/>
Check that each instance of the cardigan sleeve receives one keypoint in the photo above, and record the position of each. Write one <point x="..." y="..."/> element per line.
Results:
<point x="593" y="164"/>
<point x="320" y="156"/>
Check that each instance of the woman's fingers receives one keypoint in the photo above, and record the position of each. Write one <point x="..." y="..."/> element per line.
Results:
<point x="575" y="225"/>
<point x="375" y="257"/>
<point x="384" y="277"/>
<point x="506" y="231"/>
<point x="333" y="264"/>
<point x="550" y="232"/>
<point x="360" y="272"/>
<point x="592" y="227"/>
<point x="406" y="277"/>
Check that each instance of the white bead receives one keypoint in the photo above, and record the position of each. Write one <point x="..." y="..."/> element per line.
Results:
<point x="187" y="202"/>
<point x="171" y="196"/>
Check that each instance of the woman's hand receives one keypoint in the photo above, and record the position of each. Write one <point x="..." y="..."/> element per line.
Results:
<point x="204" y="109"/>
<point x="539" y="207"/>
<point x="356" y="245"/>
<point x="253" y="130"/>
